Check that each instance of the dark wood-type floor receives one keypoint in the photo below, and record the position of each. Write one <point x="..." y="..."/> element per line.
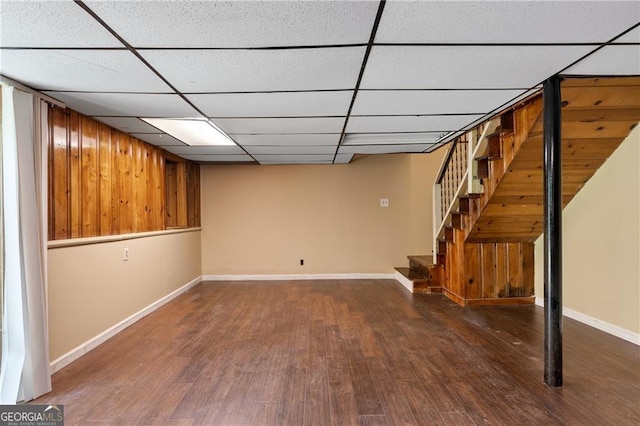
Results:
<point x="344" y="353"/>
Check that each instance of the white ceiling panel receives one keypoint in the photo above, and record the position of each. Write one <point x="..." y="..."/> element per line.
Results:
<point x="610" y="60"/>
<point x="383" y="149"/>
<point x="128" y="124"/>
<point x="210" y="150"/>
<point x="51" y="24"/>
<point x="481" y="67"/>
<point x="239" y="23"/>
<point x="159" y="139"/>
<point x="273" y="104"/>
<point x="127" y="104"/>
<point x="80" y="70"/>
<point x="280" y="125"/>
<point x="391" y="138"/>
<point x="256" y="70"/>
<point x="505" y="21"/>
<point x="439" y="123"/>
<point x="430" y="102"/>
<point x="217" y="158"/>
<point x="343" y="158"/>
<point x="302" y="158"/>
<point x="632" y="36"/>
<point x="310" y="139"/>
<point x="307" y="149"/>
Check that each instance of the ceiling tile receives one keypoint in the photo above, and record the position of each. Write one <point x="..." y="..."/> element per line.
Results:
<point x="210" y="150"/>
<point x="343" y="158"/>
<point x="438" y="123"/>
<point x="370" y="102"/>
<point x="382" y="149"/>
<point x="632" y="36"/>
<point x="310" y="139"/>
<point x="610" y="60"/>
<point x="128" y="124"/>
<point x="51" y="24"/>
<point x="80" y="70"/>
<point x="297" y="158"/>
<point x="391" y="138"/>
<point x="126" y="104"/>
<point x="505" y="22"/>
<point x="273" y="104"/>
<point x="257" y="70"/>
<point x="159" y="139"/>
<point x="280" y="125"/>
<point x="218" y="158"/>
<point x="482" y="67"/>
<point x="306" y="149"/>
<point x="239" y="23"/>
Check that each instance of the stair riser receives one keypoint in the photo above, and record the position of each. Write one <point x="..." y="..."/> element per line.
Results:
<point x="425" y="270"/>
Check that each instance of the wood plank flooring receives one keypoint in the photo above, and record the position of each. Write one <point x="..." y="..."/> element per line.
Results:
<point x="362" y="352"/>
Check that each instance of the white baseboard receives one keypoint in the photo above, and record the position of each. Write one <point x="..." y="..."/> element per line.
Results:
<point x="289" y="277"/>
<point x="406" y="282"/>
<point x="77" y="352"/>
<point x="615" y="330"/>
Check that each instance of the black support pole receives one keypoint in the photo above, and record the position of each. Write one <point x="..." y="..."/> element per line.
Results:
<point x="552" y="232"/>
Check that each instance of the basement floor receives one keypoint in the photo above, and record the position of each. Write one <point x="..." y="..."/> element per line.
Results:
<point x="361" y="352"/>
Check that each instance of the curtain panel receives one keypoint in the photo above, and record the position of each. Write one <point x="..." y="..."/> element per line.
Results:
<point x="24" y="372"/>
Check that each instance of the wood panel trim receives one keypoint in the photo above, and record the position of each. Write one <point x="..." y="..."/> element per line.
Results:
<point x="72" y="242"/>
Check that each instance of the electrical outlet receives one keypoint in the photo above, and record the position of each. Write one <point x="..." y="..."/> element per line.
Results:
<point x="125" y="254"/>
<point x="384" y="202"/>
<point x="301" y="262"/>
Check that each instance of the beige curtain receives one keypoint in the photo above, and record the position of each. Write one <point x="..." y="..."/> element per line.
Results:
<point x="24" y="373"/>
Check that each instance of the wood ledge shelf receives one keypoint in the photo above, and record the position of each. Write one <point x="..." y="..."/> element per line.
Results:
<point x="112" y="238"/>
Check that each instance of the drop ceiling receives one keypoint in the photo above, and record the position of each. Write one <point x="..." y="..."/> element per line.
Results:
<point x="311" y="82"/>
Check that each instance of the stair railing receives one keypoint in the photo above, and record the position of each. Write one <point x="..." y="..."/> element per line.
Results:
<point x="458" y="175"/>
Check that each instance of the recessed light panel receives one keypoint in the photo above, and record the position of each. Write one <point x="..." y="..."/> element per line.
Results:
<point x="193" y="132"/>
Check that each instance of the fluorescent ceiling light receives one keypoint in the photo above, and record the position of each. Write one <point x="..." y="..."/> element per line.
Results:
<point x="192" y="131"/>
<point x="390" y="138"/>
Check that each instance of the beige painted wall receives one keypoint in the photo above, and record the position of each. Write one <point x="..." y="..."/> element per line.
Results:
<point x="263" y="220"/>
<point x="601" y="242"/>
<point x="92" y="289"/>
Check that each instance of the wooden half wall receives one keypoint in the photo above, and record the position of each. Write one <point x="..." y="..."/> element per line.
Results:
<point x="106" y="182"/>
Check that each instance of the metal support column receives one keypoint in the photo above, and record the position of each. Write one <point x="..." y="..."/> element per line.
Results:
<point x="552" y="232"/>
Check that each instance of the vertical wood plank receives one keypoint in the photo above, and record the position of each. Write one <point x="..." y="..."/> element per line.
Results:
<point x="515" y="265"/>
<point x="171" y="196"/>
<point x="528" y="266"/>
<point x="181" y="186"/>
<point x="75" y="163"/>
<point x="104" y="156"/>
<point x="89" y="177"/>
<point x="161" y="203"/>
<point x="472" y="271"/>
<point x="125" y="154"/>
<point x="115" y="182"/>
<point x="140" y="186"/>
<point x="488" y="270"/>
<point x="196" y="201"/>
<point x="59" y="164"/>
<point x="501" y="271"/>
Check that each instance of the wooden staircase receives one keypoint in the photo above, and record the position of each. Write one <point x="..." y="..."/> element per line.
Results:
<point x="489" y="194"/>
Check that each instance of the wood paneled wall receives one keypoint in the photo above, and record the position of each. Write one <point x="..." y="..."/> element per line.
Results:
<point x="105" y="182"/>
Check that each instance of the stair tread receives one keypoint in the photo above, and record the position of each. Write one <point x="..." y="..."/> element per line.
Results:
<point x="425" y="260"/>
<point x="412" y="274"/>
